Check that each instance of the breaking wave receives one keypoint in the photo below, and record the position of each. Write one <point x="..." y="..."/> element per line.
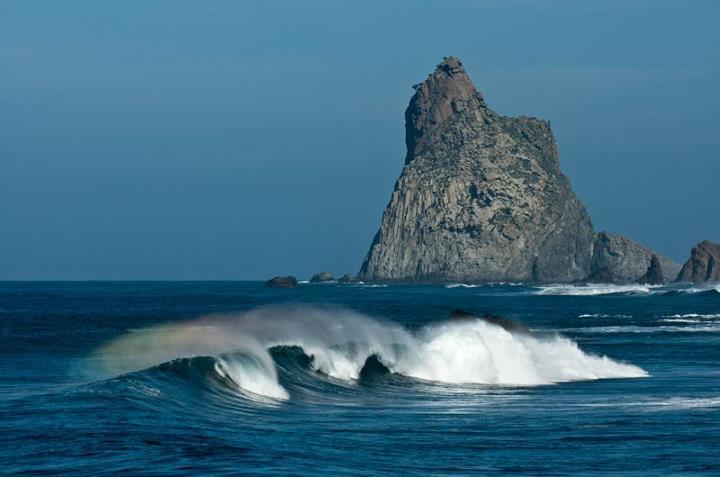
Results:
<point x="244" y="351"/>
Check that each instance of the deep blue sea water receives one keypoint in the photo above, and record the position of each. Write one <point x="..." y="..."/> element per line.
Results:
<point x="193" y="378"/>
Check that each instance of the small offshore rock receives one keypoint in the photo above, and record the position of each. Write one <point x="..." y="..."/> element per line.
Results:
<point x="322" y="277"/>
<point x="348" y="279"/>
<point x="617" y="259"/>
<point x="282" y="282"/>
<point x="703" y="266"/>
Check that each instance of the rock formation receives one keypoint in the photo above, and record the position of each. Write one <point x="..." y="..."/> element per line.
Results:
<point x="703" y="266"/>
<point x="348" y="279"/>
<point x="322" y="277"/>
<point x="626" y="261"/>
<point x="282" y="282"/>
<point x="482" y="198"/>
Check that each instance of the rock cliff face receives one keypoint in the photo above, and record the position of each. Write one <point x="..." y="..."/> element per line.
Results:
<point x="703" y="266"/>
<point x="482" y="198"/>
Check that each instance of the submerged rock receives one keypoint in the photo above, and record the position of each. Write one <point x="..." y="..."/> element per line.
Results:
<point x="482" y="199"/>
<point x="373" y="368"/>
<point x="282" y="282"/>
<point x="322" y="277"/>
<point x="703" y="266"/>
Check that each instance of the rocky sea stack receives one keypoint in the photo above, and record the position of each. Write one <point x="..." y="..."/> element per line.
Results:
<point x="322" y="277"/>
<point x="482" y="199"/>
<point x="282" y="282"/>
<point x="703" y="266"/>
<point x="348" y="279"/>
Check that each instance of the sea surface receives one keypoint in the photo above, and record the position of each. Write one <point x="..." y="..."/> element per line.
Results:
<point x="230" y="378"/>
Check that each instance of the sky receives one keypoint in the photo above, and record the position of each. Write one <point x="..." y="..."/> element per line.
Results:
<point x="222" y="140"/>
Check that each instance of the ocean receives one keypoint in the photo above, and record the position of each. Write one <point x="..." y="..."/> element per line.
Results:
<point x="231" y="378"/>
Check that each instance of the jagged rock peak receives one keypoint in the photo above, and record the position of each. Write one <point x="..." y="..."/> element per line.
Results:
<point x="481" y="197"/>
<point x="445" y="92"/>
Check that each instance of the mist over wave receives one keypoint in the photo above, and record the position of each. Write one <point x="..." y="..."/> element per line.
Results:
<point x="340" y="343"/>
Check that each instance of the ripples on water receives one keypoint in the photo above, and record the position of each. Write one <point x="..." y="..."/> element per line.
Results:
<point x="178" y="378"/>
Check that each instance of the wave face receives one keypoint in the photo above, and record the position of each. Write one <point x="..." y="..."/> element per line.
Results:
<point x="345" y="346"/>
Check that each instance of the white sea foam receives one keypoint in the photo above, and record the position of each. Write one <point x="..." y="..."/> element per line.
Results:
<point x="480" y="352"/>
<point x="691" y="318"/>
<point x="340" y="341"/>
<point x="477" y="285"/>
<point x="709" y="316"/>
<point x="715" y="287"/>
<point x="707" y="328"/>
<point x="673" y="403"/>
<point x="603" y="315"/>
<point x="688" y="403"/>
<point x="594" y="289"/>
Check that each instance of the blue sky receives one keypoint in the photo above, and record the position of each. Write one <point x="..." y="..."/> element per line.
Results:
<point x="241" y="140"/>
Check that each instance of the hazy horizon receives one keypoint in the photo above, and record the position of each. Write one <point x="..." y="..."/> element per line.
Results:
<point x="223" y="141"/>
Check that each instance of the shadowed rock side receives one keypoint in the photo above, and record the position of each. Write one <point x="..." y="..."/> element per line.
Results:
<point x="654" y="274"/>
<point x="703" y="266"/>
<point x="481" y="198"/>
